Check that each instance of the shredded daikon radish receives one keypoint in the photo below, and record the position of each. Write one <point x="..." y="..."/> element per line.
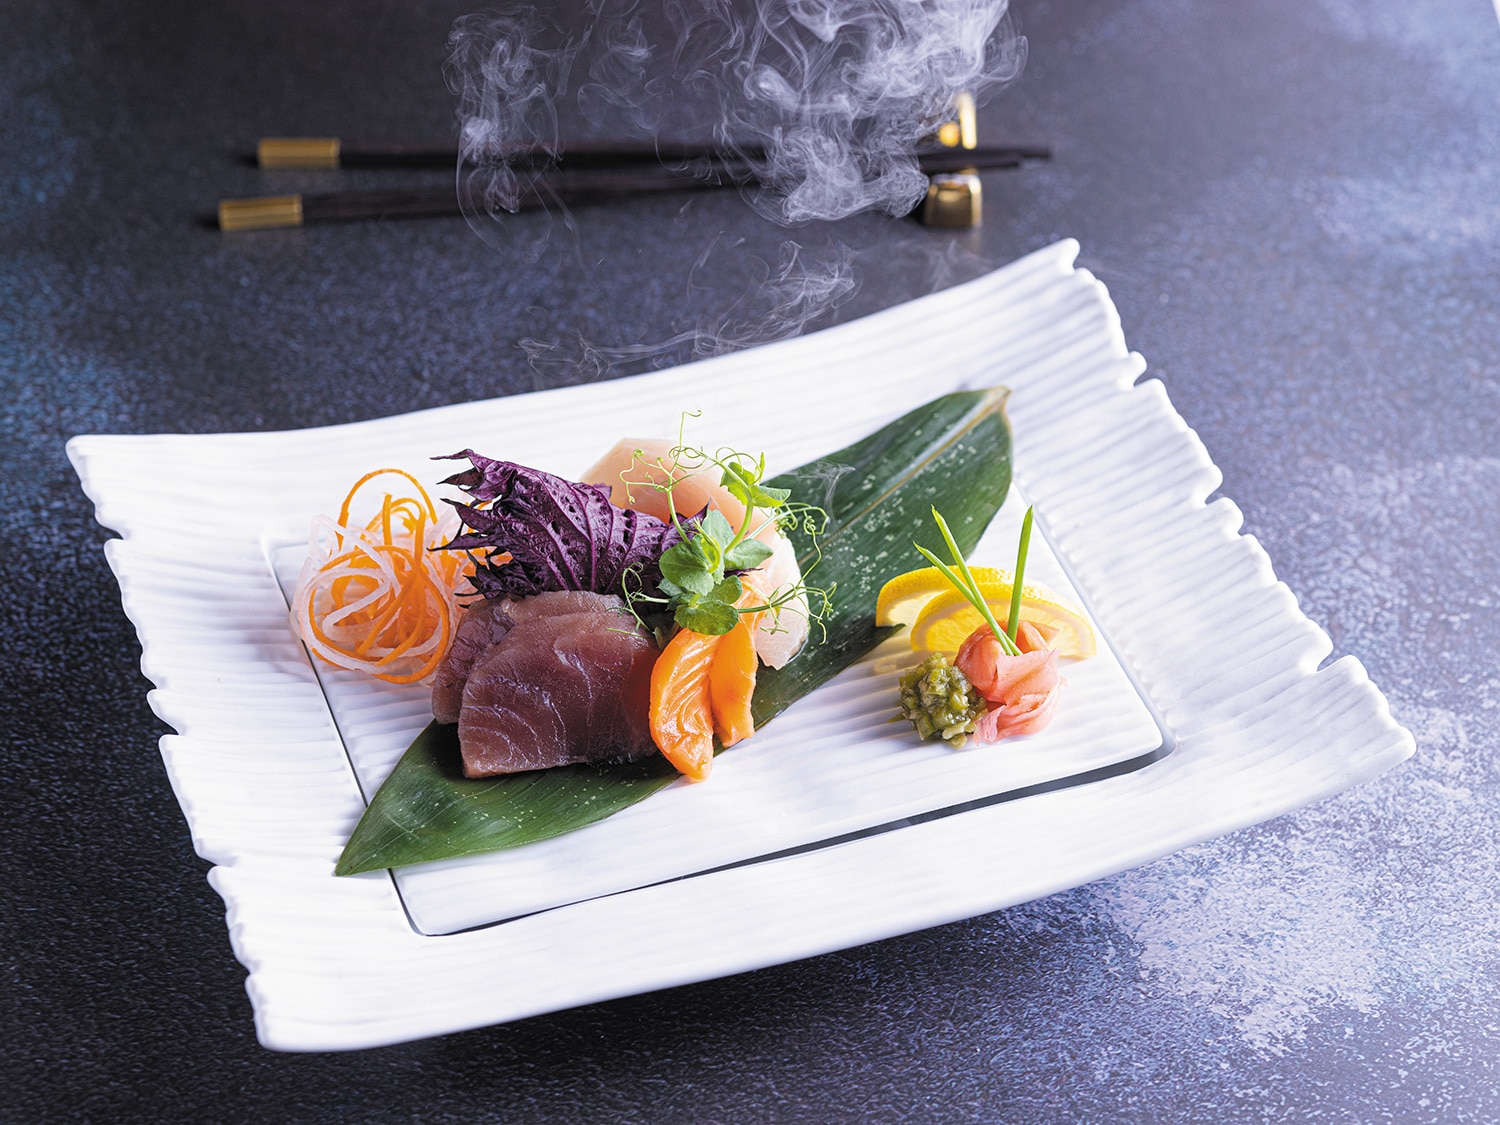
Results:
<point x="380" y="598"/>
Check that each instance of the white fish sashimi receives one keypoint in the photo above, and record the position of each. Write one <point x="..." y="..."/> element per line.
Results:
<point x="783" y="631"/>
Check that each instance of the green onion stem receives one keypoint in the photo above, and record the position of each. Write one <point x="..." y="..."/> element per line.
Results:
<point x="971" y="595"/>
<point x="958" y="561"/>
<point x="1015" y="591"/>
<point x="1007" y="640"/>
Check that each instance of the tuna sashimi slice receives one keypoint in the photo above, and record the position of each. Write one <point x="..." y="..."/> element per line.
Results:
<point x="559" y="690"/>
<point x="485" y="623"/>
<point x="482" y="625"/>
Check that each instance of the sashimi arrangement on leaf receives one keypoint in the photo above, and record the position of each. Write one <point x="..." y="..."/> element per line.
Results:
<point x="623" y="629"/>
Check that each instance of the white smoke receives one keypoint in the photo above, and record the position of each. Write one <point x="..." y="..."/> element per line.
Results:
<point x="775" y="301"/>
<point x="823" y="102"/>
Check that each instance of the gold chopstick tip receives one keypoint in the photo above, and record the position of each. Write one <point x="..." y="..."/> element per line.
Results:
<point x="963" y="130"/>
<point x="260" y="211"/>
<point x="968" y="120"/>
<point x="297" y="152"/>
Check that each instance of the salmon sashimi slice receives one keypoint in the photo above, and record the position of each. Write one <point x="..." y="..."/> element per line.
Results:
<point x="731" y="684"/>
<point x="682" y="723"/>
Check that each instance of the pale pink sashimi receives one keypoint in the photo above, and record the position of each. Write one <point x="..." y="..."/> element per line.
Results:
<point x="645" y="461"/>
<point x="634" y="465"/>
<point x="1021" y="690"/>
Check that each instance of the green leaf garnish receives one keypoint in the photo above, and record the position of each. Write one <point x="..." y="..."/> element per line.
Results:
<point x="717" y="528"/>
<point x="694" y="569"/>
<point x="687" y="570"/>
<point x="744" y="485"/>
<point x="707" y="616"/>
<point x="427" y="809"/>
<point x="747" y="554"/>
<point x="728" y="591"/>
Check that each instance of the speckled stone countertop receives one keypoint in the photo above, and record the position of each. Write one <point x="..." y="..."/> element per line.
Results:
<point x="1296" y="207"/>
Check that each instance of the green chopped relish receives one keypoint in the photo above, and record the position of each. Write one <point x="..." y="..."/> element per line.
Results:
<point x="940" y="702"/>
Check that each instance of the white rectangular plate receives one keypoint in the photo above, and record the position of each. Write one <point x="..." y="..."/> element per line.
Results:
<point x="832" y="765"/>
<point x="1218" y="646"/>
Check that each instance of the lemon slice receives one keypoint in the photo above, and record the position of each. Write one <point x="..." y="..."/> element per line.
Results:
<point x="903" y="597"/>
<point x="941" y="618"/>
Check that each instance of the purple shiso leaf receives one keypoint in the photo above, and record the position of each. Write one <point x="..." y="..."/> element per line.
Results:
<point x="560" y="535"/>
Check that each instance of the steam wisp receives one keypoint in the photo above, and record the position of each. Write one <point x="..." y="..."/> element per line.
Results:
<point x="823" y="102"/>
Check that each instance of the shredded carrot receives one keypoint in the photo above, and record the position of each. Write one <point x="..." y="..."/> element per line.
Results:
<point x="379" y="598"/>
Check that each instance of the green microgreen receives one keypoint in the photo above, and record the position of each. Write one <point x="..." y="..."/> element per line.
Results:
<point x="699" y="584"/>
<point x="962" y="580"/>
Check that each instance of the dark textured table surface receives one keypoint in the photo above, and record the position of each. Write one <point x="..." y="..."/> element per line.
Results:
<point x="1296" y="207"/>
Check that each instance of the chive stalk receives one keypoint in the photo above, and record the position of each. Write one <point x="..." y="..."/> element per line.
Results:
<point x="1015" y="591"/>
<point x="965" y="584"/>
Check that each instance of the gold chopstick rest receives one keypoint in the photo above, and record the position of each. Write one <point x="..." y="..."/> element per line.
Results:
<point x="260" y="211"/>
<point x="954" y="200"/>
<point x="297" y="152"/>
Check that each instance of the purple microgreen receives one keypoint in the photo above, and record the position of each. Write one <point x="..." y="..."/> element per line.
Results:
<point x="560" y="535"/>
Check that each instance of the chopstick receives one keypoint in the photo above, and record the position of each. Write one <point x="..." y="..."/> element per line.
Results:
<point x="331" y="152"/>
<point x="567" y="186"/>
<point x="570" y="189"/>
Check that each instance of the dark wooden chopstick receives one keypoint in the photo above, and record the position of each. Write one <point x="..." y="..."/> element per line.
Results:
<point x="330" y="152"/>
<point x="570" y="189"/>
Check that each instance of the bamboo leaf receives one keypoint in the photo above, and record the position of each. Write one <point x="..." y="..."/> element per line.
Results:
<point x="953" y="453"/>
<point x="428" y="810"/>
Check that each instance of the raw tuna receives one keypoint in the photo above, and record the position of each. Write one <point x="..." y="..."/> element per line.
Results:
<point x="485" y="623"/>
<point x="569" y="681"/>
